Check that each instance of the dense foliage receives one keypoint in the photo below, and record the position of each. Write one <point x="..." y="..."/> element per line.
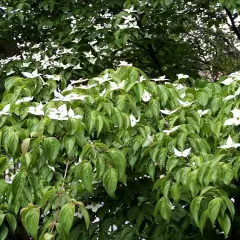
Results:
<point x="121" y="157"/>
<point x="83" y="38"/>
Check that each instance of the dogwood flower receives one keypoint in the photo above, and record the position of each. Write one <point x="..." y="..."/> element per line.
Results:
<point x="77" y="67"/>
<point x="5" y="110"/>
<point x="185" y="153"/>
<point x="235" y="120"/>
<point x="89" y="54"/>
<point x="115" y="86"/>
<point x="183" y="95"/>
<point x="102" y="79"/>
<point x="103" y="92"/>
<point x="185" y="104"/>
<point x="124" y="64"/>
<point x="94" y="207"/>
<point x="133" y="120"/>
<point x="53" y="77"/>
<point x="181" y="76"/>
<point x="162" y="78"/>
<point x="227" y="81"/>
<point x="171" y="130"/>
<point x="203" y="112"/>
<point x="78" y="81"/>
<point x="34" y="74"/>
<point x="59" y="113"/>
<point x="168" y="112"/>
<point x="230" y="144"/>
<point x="38" y="110"/>
<point x="142" y="78"/>
<point x="25" y="99"/>
<point x="232" y="96"/>
<point x="87" y="86"/>
<point x="78" y="214"/>
<point x="179" y="86"/>
<point x="146" y="96"/>
<point x="130" y="10"/>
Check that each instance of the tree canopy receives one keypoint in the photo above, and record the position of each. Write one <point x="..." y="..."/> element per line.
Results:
<point x="119" y="120"/>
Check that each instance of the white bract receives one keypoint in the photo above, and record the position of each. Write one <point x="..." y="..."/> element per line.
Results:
<point x="185" y="104"/>
<point x="230" y="144"/>
<point x="235" y="120"/>
<point x="232" y="96"/>
<point x="203" y="112"/>
<point x="146" y="96"/>
<point x="34" y="74"/>
<point x="171" y="130"/>
<point x="102" y="79"/>
<point x="124" y="64"/>
<point x="5" y="110"/>
<point x="133" y="120"/>
<point x="115" y="86"/>
<point x="78" y="214"/>
<point x="53" y="77"/>
<point x="184" y="153"/>
<point x="181" y="76"/>
<point x="162" y="78"/>
<point x="94" y="207"/>
<point x="168" y="112"/>
<point x="25" y="99"/>
<point x="38" y="110"/>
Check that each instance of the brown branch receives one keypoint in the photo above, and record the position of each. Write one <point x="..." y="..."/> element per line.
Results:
<point x="234" y="28"/>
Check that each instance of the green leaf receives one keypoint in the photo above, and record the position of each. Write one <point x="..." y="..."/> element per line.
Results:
<point x="100" y="166"/>
<point x="227" y="173"/>
<point x="225" y="224"/>
<point x="175" y="192"/>
<point x="194" y="208"/>
<point x="99" y="125"/>
<point x="13" y="139"/>
<point x="60" y="229"/>
<point x="151" y="170"/>
<point x="66" y="216"/>
<point x="69" y="142"/>
<point x="119" y="161"/>
<point x="48" y="236"/>
<point x="230" y="206"/>
<point x="3" y="232"/>
<point x="86" y="174"/>
<point x="214" y="208"/>
<point x="203" y="219"/>
<point x="202" y="98"/>
<point x="18" y="185"/>
<point x="85" y="215"/>
<point x="51" y="147"/>
<point x="30" y="219"/>
<point x="110" y="179"/>
<point x="47" y="196"/>
<point x="12" y="222"/>
<point x="165" y="208"/>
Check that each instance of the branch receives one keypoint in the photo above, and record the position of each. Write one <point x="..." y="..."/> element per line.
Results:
<point x="234" y="28"/>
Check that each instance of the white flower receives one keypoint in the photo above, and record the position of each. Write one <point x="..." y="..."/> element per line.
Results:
<point x="179" y="86"/>
<point x="5" y="110"/>
<point x="89" y="54"/>
<point x="146" y="96"/>
<point x="124" y="64"/>
<point x="76" y="67"/>
<point x="78" y="214"/>
<point x="183" y="95"/>
<point x="103" y="92"/>
<point x="115" y="86"/>
<point x="162" y="78"/>
<point x="71" y="114"/>
<point x="142" y="78"/>
<point x="162" y="176"/>
<point x="232" y="96"/>
<point x="133" y="120"/>
<point x="230" y="144"/>
<point x="228" y="81"/>
<point x="87" y="86"/>
<point x="168" y="112"/>
<point x="203" y="112"/>
<point x="52" y="168"/>
<point x="148" y="140"/>
<point x="185" y="104"/>
<point x="25" y="64"/>
<point x="38" y="110"/>
<point x="92" y="60"/>
<point x="102" y="79"/>
<point x="128" y="19"/>
<point x="181" y="76"/>
<point x="25" y="99"/>
<point x="233" y="200"/>
<point x="53" y="77"/>
<point x="78" y="81"/>
<point x="59" y="114"/>
<point x="171" y="130"/>
<point x="185" y="153"/>
<point x="34" y="74"/>
<point x="235" y="120"/>
<point x="130" y="10"/>
<point x="94" y="207"/>
<point x="10" y="72"/>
